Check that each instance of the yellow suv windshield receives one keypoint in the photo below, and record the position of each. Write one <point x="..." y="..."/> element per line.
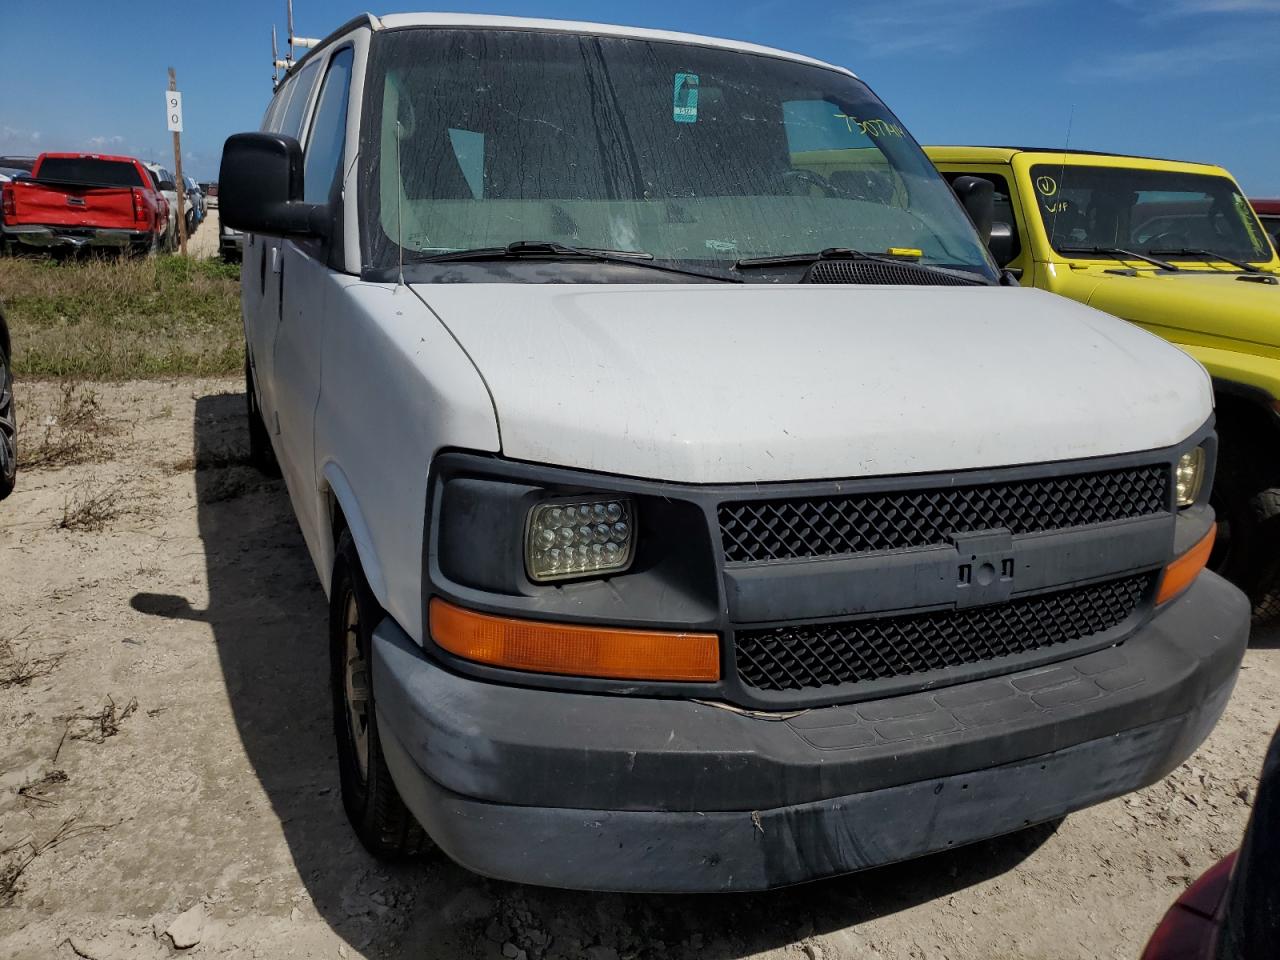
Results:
<point x="1155" y="212"/>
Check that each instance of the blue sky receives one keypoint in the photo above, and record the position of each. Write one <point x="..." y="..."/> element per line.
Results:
<point x="1192" y="79"/>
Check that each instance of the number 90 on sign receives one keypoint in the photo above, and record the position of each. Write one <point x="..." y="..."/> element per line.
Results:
<point x="173" y="110"/>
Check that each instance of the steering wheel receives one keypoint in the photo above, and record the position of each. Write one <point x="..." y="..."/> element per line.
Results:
<point x="812" y="179"/>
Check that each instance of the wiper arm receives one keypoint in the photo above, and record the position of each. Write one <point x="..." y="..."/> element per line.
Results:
<point x="551" y="249"/>
<point x="843" y="253"/>
<point x="1118" y="253"/>
<point x="1210" y="255"/>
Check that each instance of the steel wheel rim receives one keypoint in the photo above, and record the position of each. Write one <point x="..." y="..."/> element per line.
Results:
<point x="8" y="422"/>
<point x="356" y="686"/>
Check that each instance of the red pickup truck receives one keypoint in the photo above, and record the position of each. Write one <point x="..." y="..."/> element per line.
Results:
<point x="77" y="200"/>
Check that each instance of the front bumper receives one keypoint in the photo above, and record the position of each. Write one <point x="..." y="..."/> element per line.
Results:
<point x="620" y="793"/>
<point x="74" y="238"/>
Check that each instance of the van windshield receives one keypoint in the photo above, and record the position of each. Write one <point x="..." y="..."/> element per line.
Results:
<point x="685" y="153"/>
<point x="1165" y="213"/>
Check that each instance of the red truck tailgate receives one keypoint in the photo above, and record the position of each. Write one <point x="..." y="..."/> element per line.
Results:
<point x="67" y="205"/>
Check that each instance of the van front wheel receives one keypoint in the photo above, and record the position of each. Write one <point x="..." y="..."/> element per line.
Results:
<point x="373" y="804"/>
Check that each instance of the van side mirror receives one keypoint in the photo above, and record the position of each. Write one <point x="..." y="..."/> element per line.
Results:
<point x="1001" y="243"/>
<point x="978" y="197"/>
<point x="260" y="188"/>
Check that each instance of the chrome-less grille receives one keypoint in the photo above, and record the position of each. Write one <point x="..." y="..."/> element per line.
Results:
<point x="814" y="655"/>
<point x="754" y="531"/>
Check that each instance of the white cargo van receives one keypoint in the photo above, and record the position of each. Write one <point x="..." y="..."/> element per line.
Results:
<point x="699" y="506"/>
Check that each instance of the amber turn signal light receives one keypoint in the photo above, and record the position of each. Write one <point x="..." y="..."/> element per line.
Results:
<point x="1179" y="574"/>
<point x="579" y="651"/>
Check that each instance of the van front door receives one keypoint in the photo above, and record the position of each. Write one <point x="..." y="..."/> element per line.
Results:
<point x="310" y="285"/>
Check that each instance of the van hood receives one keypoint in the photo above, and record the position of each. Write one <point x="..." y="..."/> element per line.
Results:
<point x="754" y="383"/>
<point x="1219" y="302"/>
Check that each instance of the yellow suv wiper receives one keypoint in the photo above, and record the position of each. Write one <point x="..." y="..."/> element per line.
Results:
<point x="1117" y="253"/>
<point x="1210" y="255"/>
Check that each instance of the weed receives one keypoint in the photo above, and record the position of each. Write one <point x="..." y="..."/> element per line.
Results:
<point x="15" y="860"/>
<point x="36" y="791"/>
<point x="71" y="434"/>
<point x="90" y="510"/>
<point x="106" y="722"/>
<point x="17" y="669"/>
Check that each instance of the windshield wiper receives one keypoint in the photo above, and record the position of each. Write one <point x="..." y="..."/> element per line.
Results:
<point x="1209" y="255"/>
<point x="844" y="253"/>
<point x="551" y="249"/>
<point x="1119" y="253"/>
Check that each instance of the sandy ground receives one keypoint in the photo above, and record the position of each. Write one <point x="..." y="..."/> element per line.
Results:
<point x="204" y="242"/>
<point x="215" y="800"/>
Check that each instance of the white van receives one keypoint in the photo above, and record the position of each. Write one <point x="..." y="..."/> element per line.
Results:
<point x="699" y="507"/>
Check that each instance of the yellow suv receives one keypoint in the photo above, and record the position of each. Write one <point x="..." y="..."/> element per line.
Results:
<point x="1176" y="248"/>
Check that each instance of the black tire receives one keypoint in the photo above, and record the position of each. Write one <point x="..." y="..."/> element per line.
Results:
<point x="261" y="455"/>
<point x="8" y="429"/>
<point x="373" y="804"/>
<point x="1247" y="550"/>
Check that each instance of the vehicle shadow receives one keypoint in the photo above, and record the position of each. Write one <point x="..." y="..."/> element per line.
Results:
<point x="268" y="617"/>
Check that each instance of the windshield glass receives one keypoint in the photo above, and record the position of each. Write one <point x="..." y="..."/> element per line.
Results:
<point x="1147" y="211"/>
<point x="688" y="153"/>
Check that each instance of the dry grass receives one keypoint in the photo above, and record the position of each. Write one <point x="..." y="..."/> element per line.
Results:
<point x="37" y="791"/>
<point x="17" y="669"/>
<point x="106" y="722"/>
<point x="90" y="509"/>
<point x="15" y="859"/>
<point x="121" y="319"/>
<point x="71" y="434"/>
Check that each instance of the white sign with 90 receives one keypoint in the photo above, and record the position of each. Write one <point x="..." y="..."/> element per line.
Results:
<point x="173" y="110"/>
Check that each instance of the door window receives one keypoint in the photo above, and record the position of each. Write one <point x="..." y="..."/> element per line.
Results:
<point x="328" y="130"/>
<point x="291" y="120"/>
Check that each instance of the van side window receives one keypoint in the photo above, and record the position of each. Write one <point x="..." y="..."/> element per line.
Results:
<point x="274" y="109"/>
<point x="328" y="130"/>
<point x="290" y="124"/>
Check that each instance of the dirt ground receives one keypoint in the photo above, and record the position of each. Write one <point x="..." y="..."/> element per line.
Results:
<point x="166" y="761"/>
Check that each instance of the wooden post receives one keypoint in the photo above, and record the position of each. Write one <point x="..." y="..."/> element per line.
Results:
<point x="177" y="172"/>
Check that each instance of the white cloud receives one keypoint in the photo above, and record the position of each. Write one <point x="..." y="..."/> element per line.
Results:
<point x="98" y="143"/>
<point x="886" y="27"/>
<point x="15" y="140"/>
<point x="1175" y="9"/>
<point x="1163" y="62"/>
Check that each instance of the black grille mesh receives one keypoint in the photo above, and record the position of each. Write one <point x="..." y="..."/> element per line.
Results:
<point x="820" y="655"/>
<point x="757" y="530"/>
<point x="876" y="271"/>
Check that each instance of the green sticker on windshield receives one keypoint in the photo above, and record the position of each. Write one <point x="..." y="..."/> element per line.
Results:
<point x="684" y="103"/>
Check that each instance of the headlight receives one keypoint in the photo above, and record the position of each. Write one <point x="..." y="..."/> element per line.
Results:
<point x="579" y="538"/>
<point x="1189" y="476"/>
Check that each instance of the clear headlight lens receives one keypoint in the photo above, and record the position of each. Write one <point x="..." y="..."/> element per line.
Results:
<point x="1189" y="476"/>
<point x="579" y="538"/>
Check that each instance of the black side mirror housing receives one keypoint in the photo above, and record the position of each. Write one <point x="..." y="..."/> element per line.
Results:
<point x="260" y="188"/>
<point x="978" y="197"/>
<point x="1001" y="243"/>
